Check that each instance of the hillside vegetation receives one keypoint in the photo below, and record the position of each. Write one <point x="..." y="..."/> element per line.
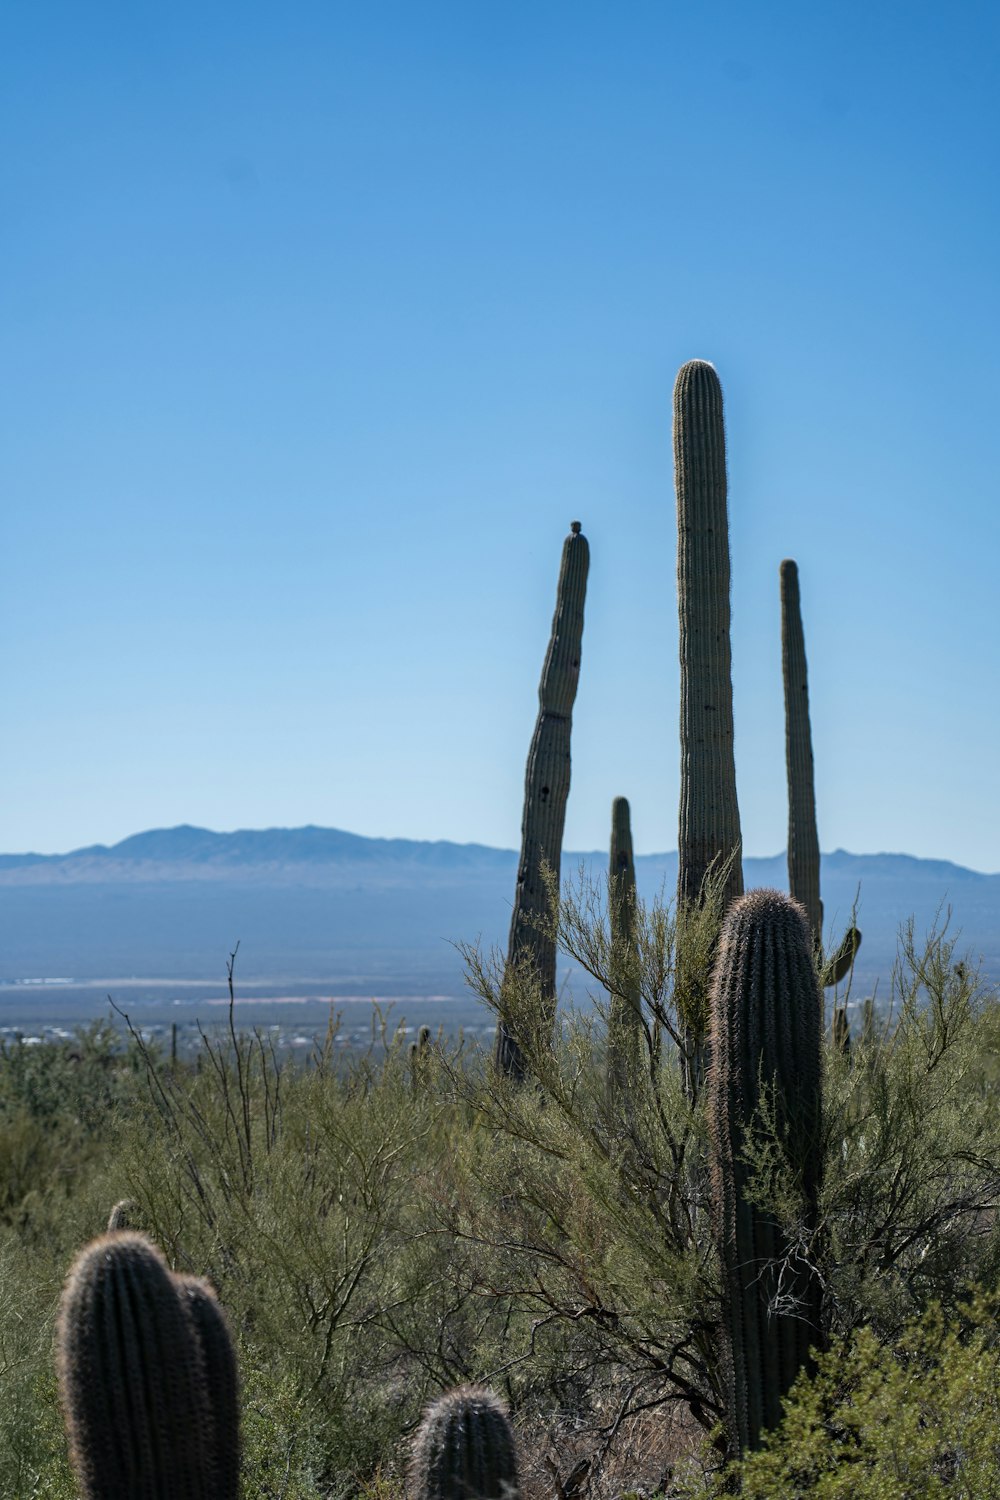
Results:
<point x="381" y="1231"/>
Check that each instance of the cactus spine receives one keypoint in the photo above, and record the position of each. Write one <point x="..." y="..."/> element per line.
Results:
<point x="140" y="1364"/>
<point x="546" y="789"/>
<point x="803" y="839"/>
<point x="464" y="1450"/>
<point x="625" y="1014"/>
<point x="766" y="1022"/>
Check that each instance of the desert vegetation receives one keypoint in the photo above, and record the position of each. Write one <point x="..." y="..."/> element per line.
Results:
<point x="696" y="1236"/>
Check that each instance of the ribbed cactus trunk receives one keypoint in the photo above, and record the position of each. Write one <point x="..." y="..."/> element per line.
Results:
<point x="464" y="1450"/>
<point x="803" y="839"/>
<point x="709" y="829"/>
<point x="766" y="1020"/>
<point x="546" y="790"/>
<point x="147" y="1377"/>
<point x="625" y="1013"/>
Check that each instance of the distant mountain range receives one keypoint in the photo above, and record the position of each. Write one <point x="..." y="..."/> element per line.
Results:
<point x="380" y="914"/>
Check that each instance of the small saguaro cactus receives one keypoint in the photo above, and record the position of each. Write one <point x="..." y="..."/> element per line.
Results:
<point x="145" y="1377"/>
<point x="625" y="1014"/>
<point x="764" y="1093"/>
<point x="531" y="950"/>
<point x="464" y="1450"/>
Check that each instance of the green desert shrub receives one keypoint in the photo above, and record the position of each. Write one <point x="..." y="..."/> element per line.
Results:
<point x="914" y="1419"/>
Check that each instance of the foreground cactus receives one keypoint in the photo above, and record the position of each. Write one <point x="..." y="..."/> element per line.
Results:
<point x="625" y="1014"/>
<point x="531" y="950"/>
<point x="147" y="1377"/>
<point x="764" y="1091"/>
<point x="464" y="1450"/>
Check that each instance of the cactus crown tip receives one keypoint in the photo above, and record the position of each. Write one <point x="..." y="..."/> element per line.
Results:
<point x="764" y="903"/>
<point x="575" y="527"/>
<point x="789" y="565"/>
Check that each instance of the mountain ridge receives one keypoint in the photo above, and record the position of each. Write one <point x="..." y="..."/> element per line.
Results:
<point x="311" y="843"/>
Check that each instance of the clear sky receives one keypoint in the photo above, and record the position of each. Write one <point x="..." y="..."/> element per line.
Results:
<point x="322" y="321"/>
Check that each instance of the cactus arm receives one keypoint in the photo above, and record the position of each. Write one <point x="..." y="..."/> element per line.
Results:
<point x="546" y="790"/>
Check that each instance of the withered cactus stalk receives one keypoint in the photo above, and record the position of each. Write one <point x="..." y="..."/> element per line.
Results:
<point x="147" y="1378"/>
<point x="803" y="837"/>
<point x="766" y="1024"/>
<point x="709" y="832"/>
<point x="464" y="1450"/>
<point x="625" y="1014"/>
<point x="546" y="790"/>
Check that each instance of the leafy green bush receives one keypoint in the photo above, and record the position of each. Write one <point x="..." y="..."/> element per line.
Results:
<point x="912" y="1420"/>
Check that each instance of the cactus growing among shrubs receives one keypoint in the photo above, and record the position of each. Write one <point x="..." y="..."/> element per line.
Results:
<point x="624" y="1015"/>
<point x="464" y="1450"/>
<point x="147" y="1378"/>
<point x="709" y="837"/>
<point x="764" y="1096"/>
<point x="531" y="945"/>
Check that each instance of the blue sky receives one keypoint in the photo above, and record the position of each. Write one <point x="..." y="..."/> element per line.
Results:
<point x="321" y="322"/>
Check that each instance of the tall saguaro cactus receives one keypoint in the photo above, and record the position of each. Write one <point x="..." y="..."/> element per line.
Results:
<point x="709" y="837"/>
<point x="803" y="839"/>
<point x="148" y="1378"/>
<point x="625" y="1016"/>
<point x="764" y="1092"/>
<point x="546" y="790"/>
<point x="709" y="831"/>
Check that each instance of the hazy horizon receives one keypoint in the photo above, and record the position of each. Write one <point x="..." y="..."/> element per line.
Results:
<point x="568" y="853"/>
